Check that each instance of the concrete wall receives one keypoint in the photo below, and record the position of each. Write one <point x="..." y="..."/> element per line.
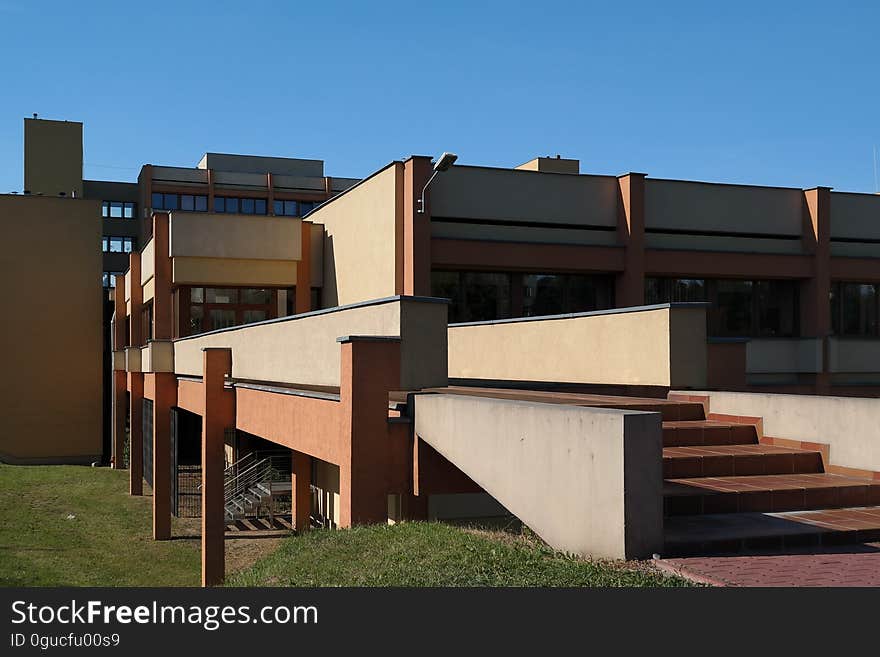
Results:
<point x="246" y="237"/>
<point x="588" y="481"/>
<point x="51" y="389"/>
<point x="302" y="349"/>
<point x="53" y="158"/>
<point x="653" y="346"/>
<point x="854" y="355"/>
<point x="849" y="425"/>
<point x="362" y="238"/>
<point x="784" y="356"/>
<point x="685" y="205"/>
<point x="260" y="164"/>
<point x="518" y="195"/>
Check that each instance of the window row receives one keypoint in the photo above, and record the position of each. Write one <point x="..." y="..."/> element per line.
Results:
<point x="738" y="308"/>
<point x="108" y="278"/>
<point x="486" y="296"/>
<point x="117" y="244"/>
<point x="118" y="210"/>
<point x="212" y="308"/>
<point x="855" y="309"/>
<point x="229" y="204"/>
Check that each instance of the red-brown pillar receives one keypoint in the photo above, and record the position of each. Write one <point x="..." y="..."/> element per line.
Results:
<point x="136" y="433"/>
<point x="137" y="299"/>
<point x="630" y="284"/>
<point x="301" y="496"/>
<point x="219" y="414"/>
<point x="416" y="233"/>
<point x="270" y="203"/>
<point x="303" y="295"/>
<point x="164" y="398"/>
<point x="163" y="301"/>
<point x="119" y="406"/>
<point x="816" y="290"/>
<point x="376" y="465"/>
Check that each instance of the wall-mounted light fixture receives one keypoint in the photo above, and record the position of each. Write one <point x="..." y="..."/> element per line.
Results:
<point x="442" y="164"/>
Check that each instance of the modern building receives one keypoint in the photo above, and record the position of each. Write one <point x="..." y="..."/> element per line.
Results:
<point x="447" y="356"/>
<point x="50" y="393"/>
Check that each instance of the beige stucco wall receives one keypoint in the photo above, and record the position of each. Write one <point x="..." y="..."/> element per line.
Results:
<point x="53" y="157"/>
<point x="361" y="230"/>
<point x="303" y="349"/>
<point x="157" y="356"/>
<point x="686" y="205"/>
<point x="50" y="391"/>
<point x="148" y="263"/>
<point x="623" y="348"/>
<point x="518" y="195"/>
<point x="586" y="480"/>
<point x="243" y="237"/>
<point x="231" y="271"/>
<point x="850" y="425"/>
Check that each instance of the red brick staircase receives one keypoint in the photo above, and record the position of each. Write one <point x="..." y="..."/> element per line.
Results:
<point x="726" y="491"/>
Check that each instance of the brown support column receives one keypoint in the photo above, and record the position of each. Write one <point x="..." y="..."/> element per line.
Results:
<point x="136" y="433"/>
<point x="630" y="284"/>
<point x="145" y="183"/>
<point x="210" y="175"/>
<point x="165" y="397"/>
<point x="376" y="465"/>
<point x="816" y="291"/>
<point x="163" y="306"/>
<point x="301" y="496"/>
<point x="416" y="235"/>
<point x="137" y="299"/>
<point x="120" y="410"/>
<point x="270" y="202"/>
<point x="219" y="414"/>
<point x="303" y="296"/>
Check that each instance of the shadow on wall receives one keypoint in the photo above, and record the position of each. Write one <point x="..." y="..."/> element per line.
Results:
<point x="329" y="293"/>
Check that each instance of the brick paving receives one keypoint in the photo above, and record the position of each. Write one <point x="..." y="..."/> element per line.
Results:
<point x="851" y="565"/>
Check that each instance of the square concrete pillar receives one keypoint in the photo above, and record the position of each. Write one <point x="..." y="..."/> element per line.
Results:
<point x="630" y="283"/>
<point x="165" y="397"/>
<point x="136" y="433"/>
<point x="219" y="414"/>
<point x="300" y="492"/>
<point x="120" y="411"/>
<point x="303" y="296"/>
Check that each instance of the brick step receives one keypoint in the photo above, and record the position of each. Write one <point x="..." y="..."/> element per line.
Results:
<point x="737" y="460"/>
<point x="694" y="433"/>
<point x="767" y="493"/>
<point x="736" y="532"/>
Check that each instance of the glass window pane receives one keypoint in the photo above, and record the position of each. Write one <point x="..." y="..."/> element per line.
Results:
<point x="247" y="206"/>
<point x="196" y="319"/>
<point x="105" y="209"/>
<point x="278" y="208"/>
<point x="859" y="309"/>
<point x="254" y="296"/>
<point x="126" y="245"/>
<point x="116" y="209"/>
<point x="290" y="209"/>
<point x="219" y="204"/>
<point x="157" y="201"/>
<point x="221" y="295"/>
<point x="171" y="201"/>
<point x="187" y="202"/>
<point x="446" y="285"/>
<point x="542" y="294"/>
<point x="104" y="244"/>
<point x="197" y="295"/>
<point x="260" y="206"/>
<point x="731" y="314"/>
<point x="305" y="207"/>
<point x="201" y="204"/>
<point x="115" y="245"/>
<point x="232" y="205"/>
<point x="486" y="296"/>
<point x="221" y="318"/>
<point x="250" y="316"/>
<point x="128" y="210"/>
<point x="777" y="308"/>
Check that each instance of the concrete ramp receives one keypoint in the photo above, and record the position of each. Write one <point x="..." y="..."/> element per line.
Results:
<point x="587" y="480"/>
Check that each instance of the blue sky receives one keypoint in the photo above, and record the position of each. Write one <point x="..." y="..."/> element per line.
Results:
<point x="775" y="93"/>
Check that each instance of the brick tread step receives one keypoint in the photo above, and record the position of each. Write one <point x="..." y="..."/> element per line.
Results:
<point x="768" y="493"/>
<point x="697" y="433"/>
<point x="736" y="460"/>
<point x="735" y="532"/>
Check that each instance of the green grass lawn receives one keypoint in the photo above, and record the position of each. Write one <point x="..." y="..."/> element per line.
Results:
<point x="108" y="543"/>
<point x="432" y="554"/>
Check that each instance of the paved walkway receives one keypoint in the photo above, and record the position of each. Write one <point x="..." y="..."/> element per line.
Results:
<point x="849" y="565"/>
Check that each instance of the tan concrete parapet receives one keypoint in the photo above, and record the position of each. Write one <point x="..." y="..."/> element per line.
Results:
<point x="119" y="360"/>
<point x="158" y="356"/>
<point x="663" y="345"/>
<point x="588" y="481"/>
<point x="132" y="359"/>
